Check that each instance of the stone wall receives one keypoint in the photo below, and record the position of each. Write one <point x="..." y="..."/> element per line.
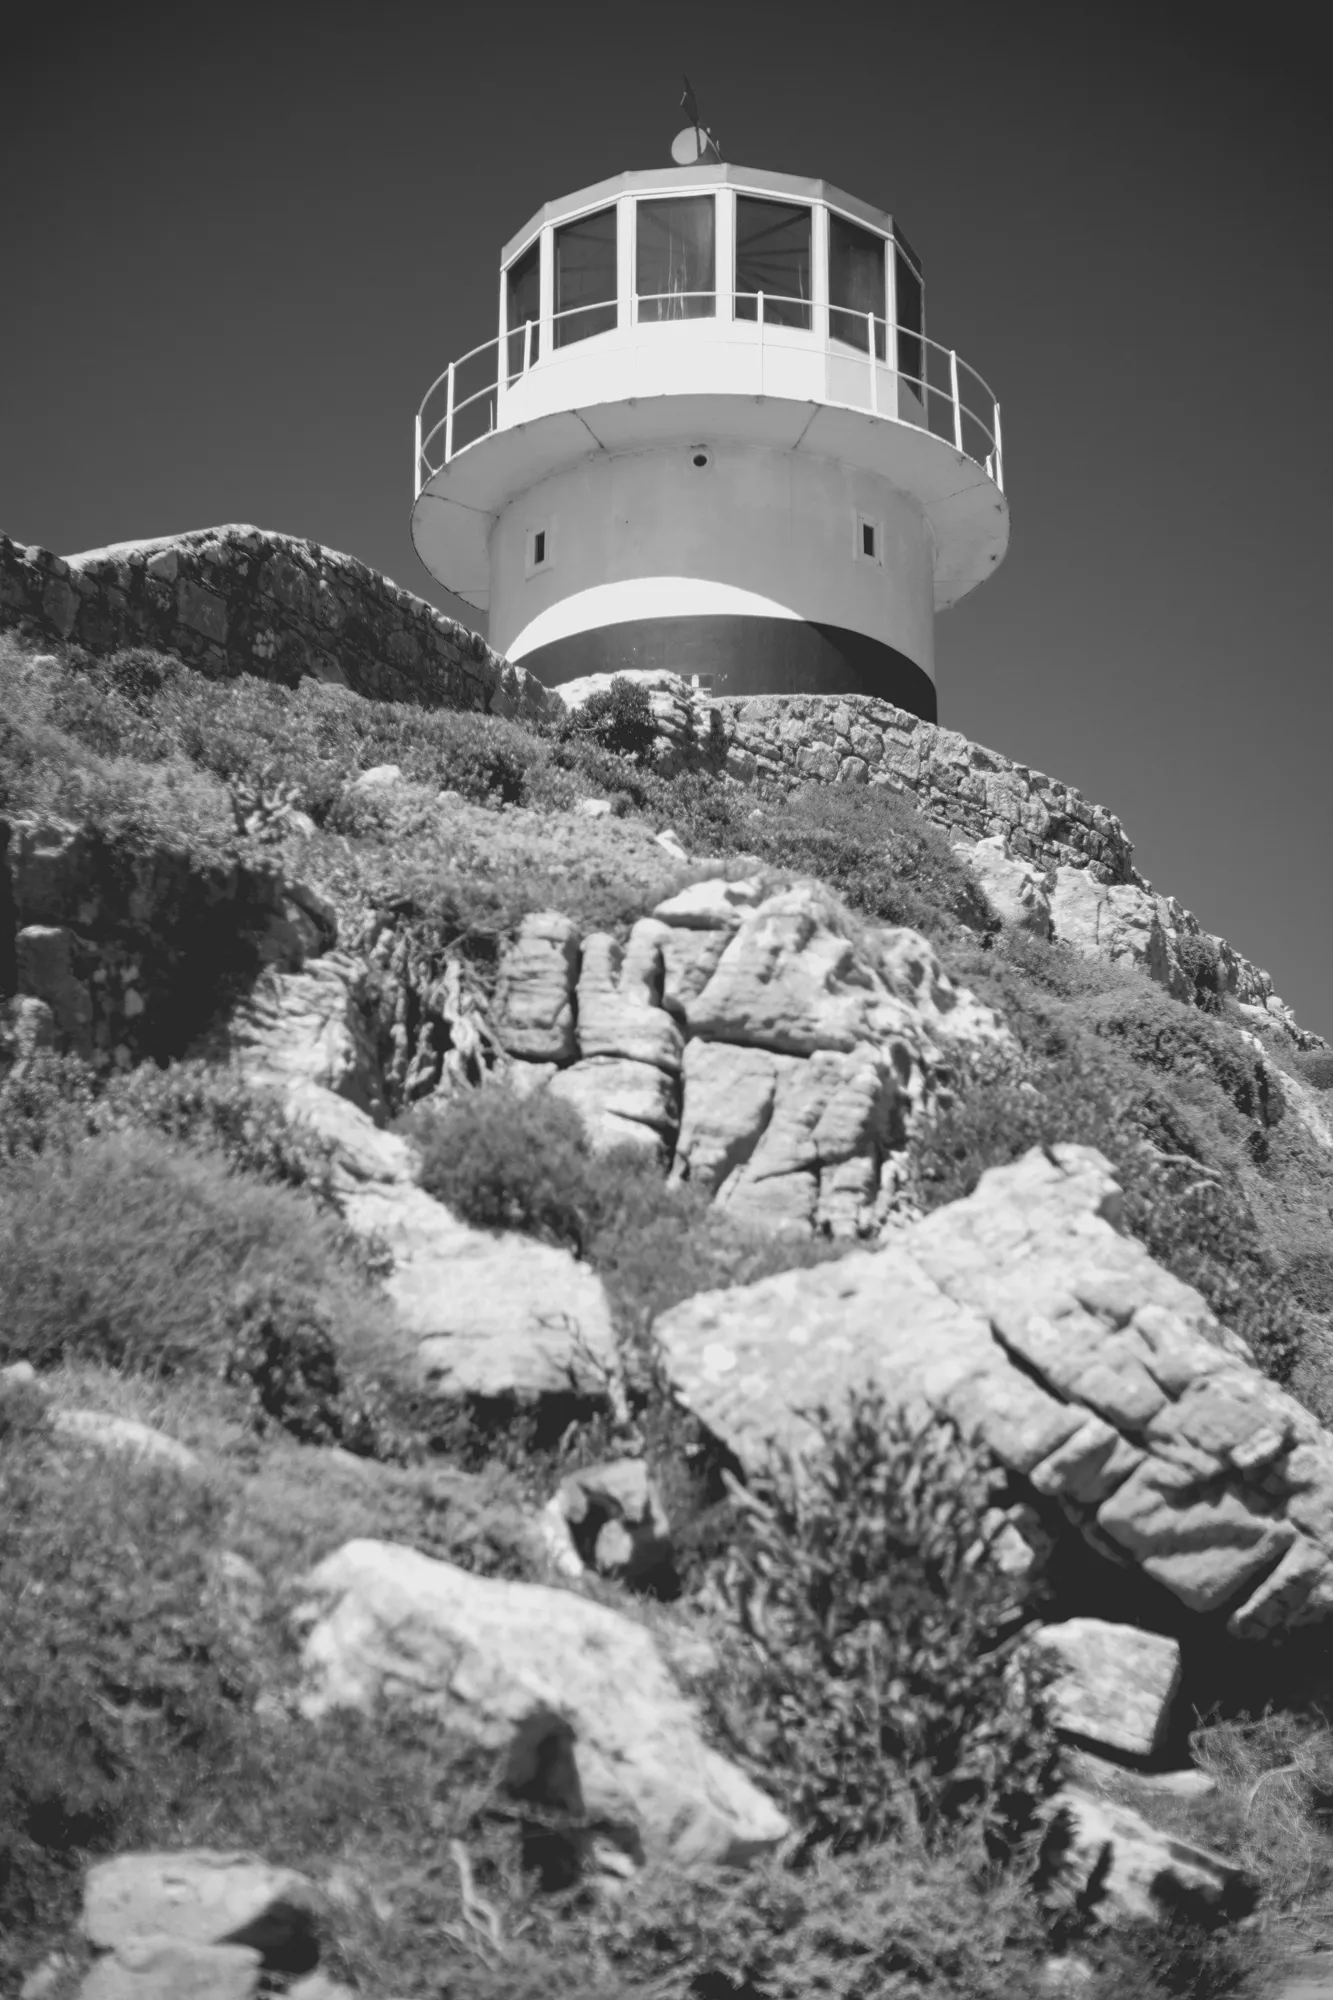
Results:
<point x="238" y="600"/>
<point x="855" y="739"/>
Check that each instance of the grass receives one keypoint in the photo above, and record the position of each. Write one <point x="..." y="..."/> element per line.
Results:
<point x="1219" y="1186"/>
<point x="135" y="1251"/>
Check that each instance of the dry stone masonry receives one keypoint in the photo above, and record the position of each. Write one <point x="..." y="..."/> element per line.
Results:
<point x="239" y="600"/>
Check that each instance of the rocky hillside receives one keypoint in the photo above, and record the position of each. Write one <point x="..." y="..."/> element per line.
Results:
<point x="650" y="1347"/>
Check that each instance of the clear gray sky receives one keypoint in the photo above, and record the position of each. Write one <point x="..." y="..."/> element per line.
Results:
<point x="239" y="243"/>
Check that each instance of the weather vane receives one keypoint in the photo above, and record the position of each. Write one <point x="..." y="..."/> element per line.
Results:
<point x="694" y="145"/>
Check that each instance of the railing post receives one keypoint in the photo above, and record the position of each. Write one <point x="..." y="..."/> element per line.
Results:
<point x="870" y="350"/>
<point x="527" y="345"/>
<point x="759" y="311"/>
<point x="416" y="456"/>
<point x="957" y="406"/>
<point x="999" y="452"/>
<point x="449" y="416"/>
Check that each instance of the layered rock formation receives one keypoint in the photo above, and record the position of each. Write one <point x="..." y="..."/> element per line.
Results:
<point x="1025" y="1317"/>
<point x="761" y="1040"/>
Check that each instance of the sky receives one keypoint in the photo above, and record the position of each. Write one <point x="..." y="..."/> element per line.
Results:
<point x="240" y="242"/>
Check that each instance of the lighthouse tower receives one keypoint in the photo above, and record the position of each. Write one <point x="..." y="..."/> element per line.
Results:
<point x="713" y="436"/>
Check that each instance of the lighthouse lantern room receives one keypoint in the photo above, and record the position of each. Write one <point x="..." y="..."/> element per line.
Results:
<point x="713" y="436"/>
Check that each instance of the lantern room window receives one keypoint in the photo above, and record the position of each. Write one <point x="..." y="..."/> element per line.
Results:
<point x="585" y="277"/>
<point x="911" y="318"/>
<point x="855" y="284"/>
<point x="675" y="259"/>
<point x="773" y="257"/>
<point x="523" y="305"/>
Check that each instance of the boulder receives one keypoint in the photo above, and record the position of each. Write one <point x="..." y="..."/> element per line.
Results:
<point x="577" y="1699"/>
<point x="534" y="998"/>
<point x="47" y="969"/>
<point x="124" y="1434"/>
<point x="816" y="1162"/>
<point x="799" y="973"/>
<point x="1023" y="1316"/>
<point x="1118" y="922"/>
<point x="1113" y="1684"/>
<point x="622" y="1103"/>
<point x="728" y="1101"/>
<point x="614" y="1518"/>
<point x="1015" y="890"/>
<point x="619" y="1003"/>
<point x="493" y="1315"/>
<point x="171" y="1969"/>
<point x="202" y="1897"/>
<point x="1107" y="1859"/>
<point x="307" y="1027"/>
<point x="27" y="1026"/>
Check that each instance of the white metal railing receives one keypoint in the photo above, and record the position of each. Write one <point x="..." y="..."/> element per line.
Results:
<point x="931" y="375"/>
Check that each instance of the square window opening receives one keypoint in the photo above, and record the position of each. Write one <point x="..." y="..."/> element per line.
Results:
<point x="537" y="553"/>
<point x="868" y="544"/>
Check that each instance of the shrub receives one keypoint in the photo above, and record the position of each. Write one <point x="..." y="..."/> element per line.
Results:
<point x="881" y="1686"/>
<point x="1199" y="960"/>
<point x="198" y="1104"/>
<point x="502" y="1161"/>
<point x="1315" y="1066"/>
<point x="618" y="717"/>
<point x="120" y="1692"/>
<point x="127" y="1249"/>
<point x="279" y="1343"/>
<point x="878" y="851"/>
<point x="46" y="1104"/>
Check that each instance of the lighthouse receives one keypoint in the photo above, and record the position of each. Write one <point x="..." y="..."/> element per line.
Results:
<point x="713" y="436"/>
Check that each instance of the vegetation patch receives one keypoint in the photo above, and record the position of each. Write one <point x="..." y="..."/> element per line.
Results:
<point x="880" y="1682"/>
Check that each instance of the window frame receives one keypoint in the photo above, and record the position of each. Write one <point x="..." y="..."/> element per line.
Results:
<point x="704" y="303"/>
<point x="787" y="314"/>
<point x="585" y="317"/>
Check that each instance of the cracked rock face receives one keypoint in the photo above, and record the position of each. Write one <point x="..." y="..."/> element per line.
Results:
<point x="1025" y="1317"/>
<point x="762" y="1041"/>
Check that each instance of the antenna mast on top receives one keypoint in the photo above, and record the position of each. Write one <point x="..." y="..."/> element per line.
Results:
<point x="696" y="143"/>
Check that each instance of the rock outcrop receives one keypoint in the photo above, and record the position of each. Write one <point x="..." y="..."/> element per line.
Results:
<point x="129" y="948"/>
<point x="758" y="1037"/>
<point x="576" y="1698"/>
<point x="494" y="1316"/>
<point x="1021" y="829"/>
<point x="1023" y="1316"/>
<point x="1126" y="923"/>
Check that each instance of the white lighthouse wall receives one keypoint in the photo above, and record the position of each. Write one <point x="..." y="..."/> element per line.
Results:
<point x="768" y="532"/>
